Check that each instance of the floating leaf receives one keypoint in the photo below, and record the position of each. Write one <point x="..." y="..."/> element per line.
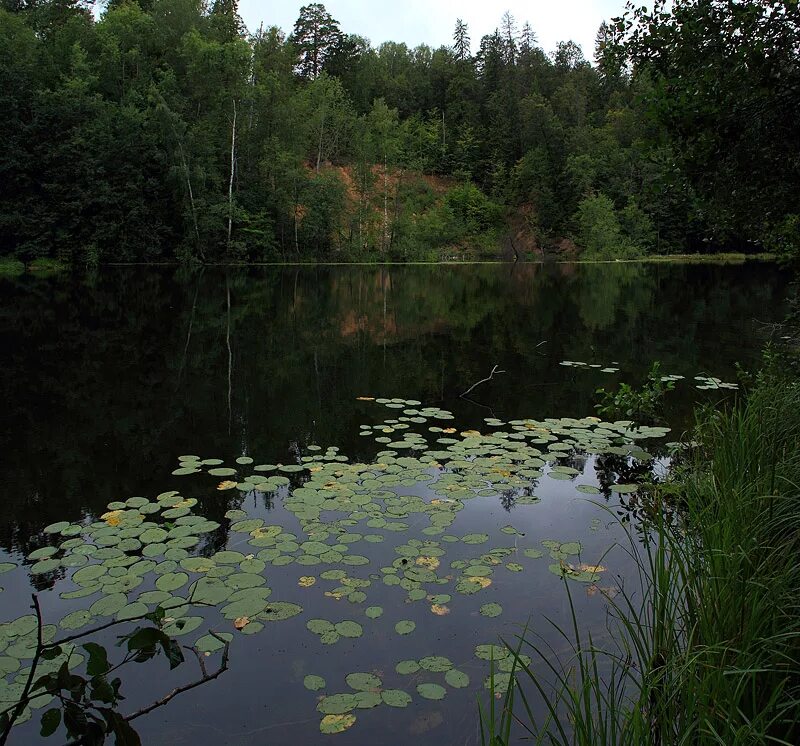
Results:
<point x="314" y="683"/>
<point x="396" y="697"/>
<point x="373" y="612"/>
<point x="171" y="581"/>
<point x="349" y="628"/>
<point x="210" y="643"/>
<point x="278" y="611"/>
<point x="407" y="667"/>
<point x="457" y="679"/>
<point x="491" y="652"/>
<point x="405" y="627"/>
<point x="306" y="581"/>
<point x="436" y="663"/>
<point x="431" y="691"/>
<point x="332" y="724"/>
<point x="491" y="610"/>
<point x="363" y="681"/>
<point x="336" y="704"/>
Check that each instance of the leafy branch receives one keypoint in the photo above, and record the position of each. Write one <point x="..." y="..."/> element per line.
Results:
<point x="89" y="705"/>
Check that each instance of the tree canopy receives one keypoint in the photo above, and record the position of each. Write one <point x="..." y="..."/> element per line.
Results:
<point x="164" y="129"/>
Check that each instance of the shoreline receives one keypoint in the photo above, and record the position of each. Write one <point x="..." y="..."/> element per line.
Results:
<point x="10" y="268"/>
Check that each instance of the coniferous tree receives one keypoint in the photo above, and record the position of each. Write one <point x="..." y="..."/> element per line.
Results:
<point x="316" y="36"/>
<point x="461" y="41"/>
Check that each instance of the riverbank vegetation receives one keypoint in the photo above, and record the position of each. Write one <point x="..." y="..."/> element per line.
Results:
<point x="164" y="129"/>
<point x="706" y="648"/>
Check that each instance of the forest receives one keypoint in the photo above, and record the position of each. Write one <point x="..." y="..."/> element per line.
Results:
<point x="164" y="130"/>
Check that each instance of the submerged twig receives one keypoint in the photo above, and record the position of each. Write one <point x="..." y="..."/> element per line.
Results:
<point x="483" y="380"/>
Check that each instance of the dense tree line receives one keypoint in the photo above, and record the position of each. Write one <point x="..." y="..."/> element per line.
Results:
<point x="164" y="129"/>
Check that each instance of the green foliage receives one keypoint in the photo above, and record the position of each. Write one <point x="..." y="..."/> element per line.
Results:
<point x="643" y="405"/>
<point x="599" y="230"/>
<point x="706" y="651"/>
<point x="121" y="135"/>
<point x="727" y="111"/>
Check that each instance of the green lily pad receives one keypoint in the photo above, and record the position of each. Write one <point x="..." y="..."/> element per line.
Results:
<point x="108" y="605"/>
<point x="319" y="626"/>
<point x="171" y="581"/>
<point x="363" y="681"/>
<point x="491" y="610"/>
<point x="76" y="619"/>
<point x="373" y="612"/>
<point x="314" y="683"/>
<point x="336" y="704"/>
<point x="491" y="652"/>
<point x="431" y="691"/>
<point x="277" y="611"/>
<point x="405" y="627"/>
<point x="349" y="628"/>
<point x="396" y="697"/>
<point x="210" y="644"/>
<point x="134" y="610"/>
<point x="435" y="663"/>
<point x="407" y="667"/>
<point x="457" y="679"/>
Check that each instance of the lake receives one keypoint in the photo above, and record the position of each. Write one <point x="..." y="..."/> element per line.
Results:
<point x="347" y="474"/>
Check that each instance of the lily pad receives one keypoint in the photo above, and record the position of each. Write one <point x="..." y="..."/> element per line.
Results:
<point x="363" y="681"/>
<point x="349" y="628"/>
<point x="314" y="683"/>
<point x="332" y="724"/>
<point x="405" y="627"/>
<point x="431" y="691"/>
<point x="457" y="679"/>
<point x="396" y="697"/>
<point x="336" y="704"/>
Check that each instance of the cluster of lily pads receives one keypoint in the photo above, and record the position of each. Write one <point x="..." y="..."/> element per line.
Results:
<point x="144" y="554"/>
<point x="613" y="368"/>
<point x="704" y="382"/>
<point x="710" y="383"/>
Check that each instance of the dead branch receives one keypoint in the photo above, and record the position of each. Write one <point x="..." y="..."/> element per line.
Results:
<point x="188" y="687"/>
<point x="483" y="380"/>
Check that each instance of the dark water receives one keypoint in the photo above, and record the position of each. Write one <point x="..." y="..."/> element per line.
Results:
<point x="107" y="379"/>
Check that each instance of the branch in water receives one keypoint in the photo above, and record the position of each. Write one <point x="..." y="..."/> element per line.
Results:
<point x="483" y="380"/>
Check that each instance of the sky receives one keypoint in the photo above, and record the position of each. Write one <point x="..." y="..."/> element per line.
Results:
<point x="432" y="21"/>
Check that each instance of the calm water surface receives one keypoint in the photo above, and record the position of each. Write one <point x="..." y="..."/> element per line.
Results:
<point x="106" y="380"/>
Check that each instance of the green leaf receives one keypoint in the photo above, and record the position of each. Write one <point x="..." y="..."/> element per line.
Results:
<point x="314" y="683"/>
<point x="50" y="722"/>
<point x="405" y="627"/>
<point x="396" y="697"/>
<point x="98" y="664"/>
<point x="436" y="663"/>
<point x="407" y="667"/>
<point x="457" y="679"/>
<point x="431" y="691"/>
<point x="362" y="681"/>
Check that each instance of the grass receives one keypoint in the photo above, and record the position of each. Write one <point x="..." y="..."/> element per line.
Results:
<point x="708" y="651"/>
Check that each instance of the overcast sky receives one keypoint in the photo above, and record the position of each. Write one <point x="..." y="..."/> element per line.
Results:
<point x="431" y="21"/>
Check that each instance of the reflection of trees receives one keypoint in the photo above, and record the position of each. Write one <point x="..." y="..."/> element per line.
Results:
<point x="105" y="383"/>
<point x="613" y="469"/>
